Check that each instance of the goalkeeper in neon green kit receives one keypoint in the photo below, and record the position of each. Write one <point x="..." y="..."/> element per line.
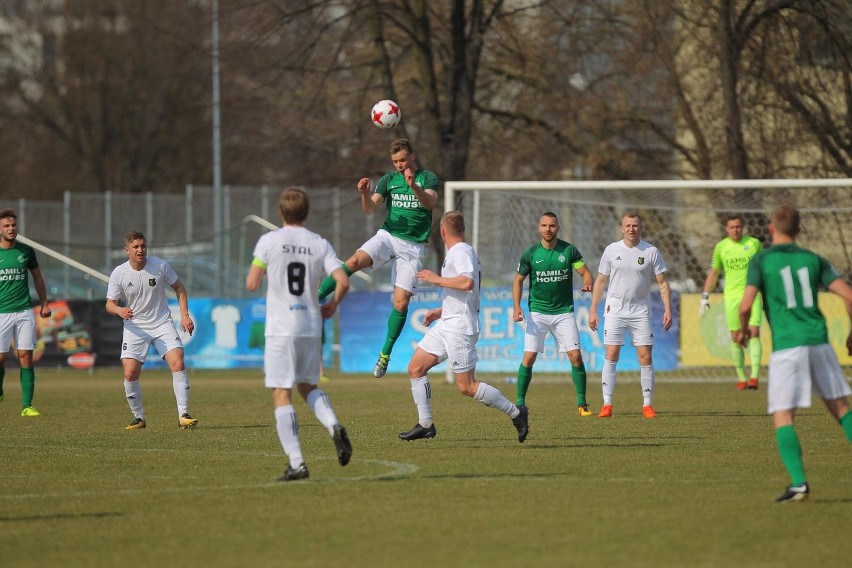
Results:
<point x="731" y="257"/>
<point x="409" y="193"/>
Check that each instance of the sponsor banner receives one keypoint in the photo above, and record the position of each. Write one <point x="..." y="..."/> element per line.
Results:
<point x="706" y="342"/>
<point x="229" y="334"/>
<point x="364" y="316"/>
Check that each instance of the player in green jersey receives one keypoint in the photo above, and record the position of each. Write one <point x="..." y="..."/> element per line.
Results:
<point x="788" y="277"/>
<point x="410" y="193"/>
<point x="549" y="264"/>
<point x="17" y="321"/>
<point x="731" y="257"/>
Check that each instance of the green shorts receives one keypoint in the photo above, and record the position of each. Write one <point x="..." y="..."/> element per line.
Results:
<point x="732" y="311"/>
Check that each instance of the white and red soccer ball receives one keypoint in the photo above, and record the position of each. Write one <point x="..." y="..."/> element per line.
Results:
<point x="386" y="114"/>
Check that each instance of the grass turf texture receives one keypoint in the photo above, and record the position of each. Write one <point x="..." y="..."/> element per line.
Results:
<point x="693" y="487"/>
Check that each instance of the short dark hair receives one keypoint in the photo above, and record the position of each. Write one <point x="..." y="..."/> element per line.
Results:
<point x="7" y="213"/>
<point x="294" y="205"/>
<point x="551" y="214"/>
<point x="735" y="217"/>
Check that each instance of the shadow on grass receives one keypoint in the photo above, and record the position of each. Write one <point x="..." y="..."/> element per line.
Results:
<point x="59" y="517"/>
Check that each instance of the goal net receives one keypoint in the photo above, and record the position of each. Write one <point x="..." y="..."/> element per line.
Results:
<point x="684" y="219"/>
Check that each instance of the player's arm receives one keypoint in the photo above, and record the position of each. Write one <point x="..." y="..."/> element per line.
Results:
<point x="666" y="297"/>
<point x="741" y="336"/>
<point x="709" y="285"/>
<point x="41" y="290"/>
<point x="460" y="282"/>
<point x="597" y="292"/>
<point x="428" y="197"/>
<point x="113" y="308"/>
<point x="341" y="288"/>
<point x="517" y="292"/>
<point x="183" y="303"/>
<point x="588" y="279"/>
<point x="254" y="278"/>
<point x="369" y="200"/>
<point x="842" y="289"/>
<point x="432" y="315"/>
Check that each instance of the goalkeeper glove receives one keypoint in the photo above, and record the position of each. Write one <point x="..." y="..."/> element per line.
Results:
<point x="705" y="304"/>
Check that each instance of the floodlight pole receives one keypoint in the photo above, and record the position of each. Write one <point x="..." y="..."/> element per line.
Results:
<point x="217" y="151"/>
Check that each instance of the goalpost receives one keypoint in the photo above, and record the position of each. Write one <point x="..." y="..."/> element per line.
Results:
<point x="684" y="219"/>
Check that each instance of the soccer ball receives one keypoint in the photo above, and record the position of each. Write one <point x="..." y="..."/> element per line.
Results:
<point x="386" y="114"/>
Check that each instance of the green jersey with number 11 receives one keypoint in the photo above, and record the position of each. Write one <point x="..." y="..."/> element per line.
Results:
<point x="788" y="277"/>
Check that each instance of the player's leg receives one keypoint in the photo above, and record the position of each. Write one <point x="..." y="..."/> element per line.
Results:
<point x="308" y="357"/>
<point x="831" y="385"/>
<point x="358" y="261"/>
<point x="279" y="375"/>
<point x="614" y="329"/>
<point x="7" y="329"/>
<point x="755" y="347"/>
<point x="789" y="389"/>
<point x="133" y="392"/>
<point x="429" y="352"/>
<point x="564" y="329"/>
<point x="732" y="319"/>
<point x="396" y="323"/>
<point x="168" y="344"/>
<point x="287" y="427"/>
<point x="2" y="373"/>
<point x="535" y="333"/>
<point x="25" y="342"/>
<point x="646" y="379"/>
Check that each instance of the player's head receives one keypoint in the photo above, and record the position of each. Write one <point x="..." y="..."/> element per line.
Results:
<point x="734" y="227"/>
<point x="402" y="154"/>
<point x="631" y="225"/>
<point x="135" y="245"/>
<point x="452" y="224"/>
<point x="548" y="226"/>
<point x="786" y="220"/>
<point x="8" y="224"/>
<point x="294" y="205"/>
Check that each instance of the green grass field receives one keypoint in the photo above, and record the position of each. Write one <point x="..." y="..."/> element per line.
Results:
<point x="695" y="487"/>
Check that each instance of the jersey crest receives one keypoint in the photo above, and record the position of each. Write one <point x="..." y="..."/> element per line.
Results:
<point x="641" y="260"/>
<point x="152" y="282"/>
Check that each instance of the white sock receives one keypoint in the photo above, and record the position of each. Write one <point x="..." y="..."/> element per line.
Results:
<point x="646" y="377"/>
<point x="321" y="405"/>
<point x="133" y="392"/>
<point x="180" y="384"/>
<point x="421" y="391"/>
<point x="608" y="381"/>
<point x="288" y="434"/>
<point x="490" y="396"/>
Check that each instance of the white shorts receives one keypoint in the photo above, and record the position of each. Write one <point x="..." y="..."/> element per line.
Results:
<point x="406" y="256"/>
<point x="136" y="341"/>
<point x="291" y="360"/>
<point x="20" y="327"/>
<point x="792" y="373"/>
<point x="562" y="326"/>
<point x="459" y="348"/>
<point x="639" y="328"/>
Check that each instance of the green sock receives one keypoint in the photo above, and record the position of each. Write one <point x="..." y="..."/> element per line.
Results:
<point x="524" y="378"/>
<point x="755" y="347"/>
<point x="2" y="376"/>
<point x="739" y="360"/>
<point x="791" y="453"/>
<point x="27" y="385"/>
<point x="578" y="375"/>
<point x="846" y="424"/>
<point x="328" y="284"/>
<point x="396" y="322"/>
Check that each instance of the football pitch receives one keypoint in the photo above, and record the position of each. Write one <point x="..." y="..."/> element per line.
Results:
<point x="694" y="487"/>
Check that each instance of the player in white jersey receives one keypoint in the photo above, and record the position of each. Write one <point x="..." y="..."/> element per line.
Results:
<point x="296" y="261"/>
<point x="629" y="265"/>
<point x="454" y="336"/>
<point x="140" y="285"/>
